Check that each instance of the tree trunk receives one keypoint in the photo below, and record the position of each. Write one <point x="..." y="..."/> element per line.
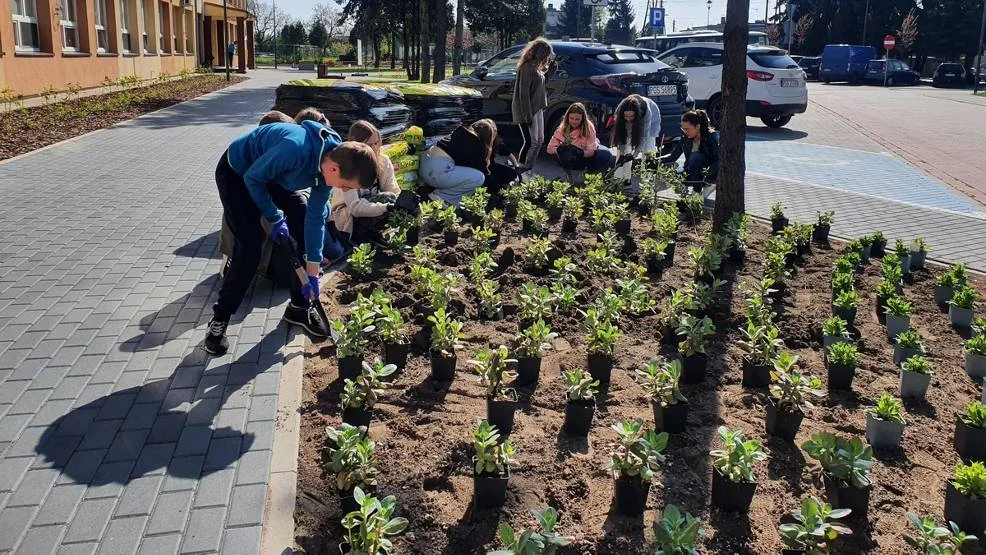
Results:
<point x="376" y="51"/>
<point x="441" y="32"/>
<point x="423" y="41"/>
<point x="732" y="147"/>
<point x="393" y="50"/>
<point x="457" y="49"/>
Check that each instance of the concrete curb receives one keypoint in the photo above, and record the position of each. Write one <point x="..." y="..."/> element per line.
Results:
<point x="278" y="530"/>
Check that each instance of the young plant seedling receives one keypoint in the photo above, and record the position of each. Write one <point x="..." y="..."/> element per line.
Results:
<point x="475" y="202"/>
<point x="847" y="460"/>
<point x="825" y="218"/>
<point x="361" y="260"/>
<point x="529" y="542"/>
<point x="888" y="408"/>
<point x="843" y="354"/>
<point x="932" y="539"/>
<point x="535" y="302"/>
<point x="846" y="300"/>
<point x="970" y="480"/>
<point x="635" y="297"/>
<point x="776" y="212"/>
<point x="441" y="289"/>
<point x="390" y="326"/>
<point x="738" y="455"/>
<point x="836" y="327"/>
<point x="897" y="306"/>
<point x="349" y="455"/>
<point x="534" y="340"/>
<point x="638" y="452"/>
<point x="565" y="296"/>
<point x="535" y="256"/>
<point x="368" y="529"/>
<point x="964" y="297"/>
<point x="351" y="336"/>
<point x="677" y="532"/>
<point x="492" y="367"/>
<point x="762" y="343"/>
<point x="696" y="335"/>
<point x="446" y="333"/>
<point x="579" y="385"/>
<point x="491" y="456"/>
<point x="660" y="381"/>
<point x="481" y="239"/>
<point x="975" y="415"/>
<point x="424" y="256"/>
<point x="489" y="298"/>
<point x="813" y="532"/>
<point x="448" y="219"/>
<point x="842" y="282"/>
<point x="917" y="364"/>
<point x="368" y="387"/>
<point x="790" y="388"/>
<point x="602" y="335"/>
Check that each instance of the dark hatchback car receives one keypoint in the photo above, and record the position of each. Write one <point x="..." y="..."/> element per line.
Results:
<point x="598" y="75"/>
<point x="949" y="74"/>
<point x="898" y="73"/>
<point x="811" y="65"/>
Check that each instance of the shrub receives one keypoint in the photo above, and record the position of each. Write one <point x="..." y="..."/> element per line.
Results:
<point x="602" y="335"/>
<point x="947" y="279"/>
<point x="528" y="542"/>
<point x="350" y="336"/>
<point x="390" y="325"/>
<point x="736" y="458"/>
<point x="776" y="212"/>
<point x="975" y="415"/>
<point x="976" y="345"/>
<point x="917" y="364"/>
<point x="812" y="532"/>
<point x="635" y="297"/>
<point x="901" y="249"/>
<point x="836" y="327"/>
<point x="349" y="456"/>
<point x="705" y="260"/>
<point x="367" y="388"/>
<point x="761" y="343"/>
<point x="447" y="218"/>
<point x="361" y="260"/>
<point x="367" y="528"/>
<point x="481" y="267"/>
<point x="826" y="218"/>
<point x="846" y="300"/>
<point x="964" y="297"/>
<point x="535" y="255"/>
<point x="886" y="289"/>
<point x="638" y="452"/>
<point x="919" y="245"/>
<point x="491" y="365"/>
<point x="446" y="333"/>
<point x="653" y="249"/>
<point x="579" y="385"/>
<point x="843" y="354"/>
<point x="532" y="342"/>
<point x="910" y="339"/>
<point x="572" y="209"/>
<point x="425" y="256"/>
<point x="897" y="306"/>
<point x="481" y="239"/>
<point x="475" y="202"/>
<point x="661" y="382"/>
<point x="789" y="387"/>
<point x="696" y="334"/>
<point x="489" y="297"/>
<point x="847" y="460"/>
<point x="535" y="302"/>
<point x="888" y="408"/>
<point x="933" y="539"/>
<point x="491" y="456"/>
<point x="676" y="533"/>
<point x="842" y="282"/>
<point x="891" y="269"/>
<point x="441" y="289"/>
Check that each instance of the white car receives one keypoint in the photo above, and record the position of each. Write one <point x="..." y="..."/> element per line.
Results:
<point x="775" y="92"/>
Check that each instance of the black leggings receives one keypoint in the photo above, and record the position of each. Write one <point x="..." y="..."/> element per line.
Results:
<point x="243" y="218"/>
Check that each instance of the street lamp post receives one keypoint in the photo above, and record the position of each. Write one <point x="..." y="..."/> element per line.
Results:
<point x="790" y="23"/>
<point x="708" y="13"/>
<point x="979" y="52"/>
<point x="226" y="39"/>
<point x="274" y="14"/>
<point x="866" y="19"/>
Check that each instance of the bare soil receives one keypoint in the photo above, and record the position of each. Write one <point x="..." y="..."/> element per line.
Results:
<point x="423" y="431"/>
<point x="28" y="129"/>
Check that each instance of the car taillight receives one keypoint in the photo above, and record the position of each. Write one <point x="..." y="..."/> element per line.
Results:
<point x="613" y="82"/>
<point x="759" y="75"/>
<point x="609" y="121"/>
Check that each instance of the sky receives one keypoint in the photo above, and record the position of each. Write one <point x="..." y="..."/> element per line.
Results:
<point x="684" y="13"/>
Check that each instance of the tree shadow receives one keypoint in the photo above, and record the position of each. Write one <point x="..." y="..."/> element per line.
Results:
<point x="479" y="526"/>
<point x="621" y="533"/>
<point x="786" y="462"/>
<point x="206" y="246"/>
<point x="172" y="320"/>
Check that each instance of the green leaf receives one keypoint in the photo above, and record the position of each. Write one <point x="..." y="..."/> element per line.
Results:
<point x="358" y="495"/>
<point x="506" y="533"/>
<point x="395" y="526"/>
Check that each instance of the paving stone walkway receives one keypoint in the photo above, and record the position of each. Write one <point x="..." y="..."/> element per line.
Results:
<point x="117" y="434"/>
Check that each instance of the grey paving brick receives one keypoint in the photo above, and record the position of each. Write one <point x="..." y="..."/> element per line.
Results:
<point x="101" y="433"/>
<point x="160" y="545"/>
<point x="13" y="523"/>
<point x="153" y="391"/>
<point x="117" y="406"/>
<point x="11" y="471"/>
<point x="78" y="424"/>
<point x="263" y="408"/>
<point x="109" y="479"/>
<point x="122" y="536"/>
<point x="153" y="459"/>
<point x="237" y="397"/>
<point x="131" y="380"/>
<point x="215" y="488"/>
<point x="247" y="506"/>
<point x="223" y="452"/>
<point x="107" y="372"/>
<point x="56" y="451"/>
<point x="90" y="520"/>
<point x="60" y="504"/>
<point x="127" y="445"/>
<point x="253" y="468"/>
<point x="201" y="534"/>
<point x="29" y="369"/>
<point x="187" y="377"/>
<point x="183" y="473"/>
<point x="49" y="377"/>
<point x="170" y="512"/>
<point x="263" y="435"/>
<point x="29" y="401"/>
<point x="41" y="540"/>
<point x="30" y="340"/>
<point x="178" y="400"/>
<point x="11" y="425"/>
<point x="167" y="428"/>
<point x="87" y="548"/>
<point x="51" y="411"/>
<point x="241" y="540"/>
<point x="229" y="422"/>
<point x="86" y="365"/>
<point x="33" y="488"/>
<point x="138" y="496"/>
<point x="194" y="440"/>
<point x="93" y="395"/>
<point x="70" y="387"/>
<point x="82" y="467"/>
<point x="141" y="416"/>
<point x="204" y="411"/>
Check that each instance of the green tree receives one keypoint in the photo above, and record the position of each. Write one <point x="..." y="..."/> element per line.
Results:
<point x="318" y="37"/>
<point x="619" y="28"/>
<point x="571" y="22"/>
<point x="730" y="190"/>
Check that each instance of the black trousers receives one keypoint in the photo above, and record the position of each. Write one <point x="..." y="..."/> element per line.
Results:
<point x="243" y="218"/>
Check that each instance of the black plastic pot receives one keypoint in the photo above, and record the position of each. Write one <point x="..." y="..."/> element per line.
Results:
<point x="881" y="304"/>
<point x="578" y="417"/>
<point x="845" y="496"/>
<point x="669" y="337"/>
<point x="841" y="376"/>
<point x="396" y="354"/>
<point x="803" y="249"/>
<point x="442" y="367"/>
<point x="500" y="413"/>
<point x="654" y="266"/>
<point x="847" y="314"/>
<point x="451" y="238"/>
<point x="600" y="367"/>
<point x="820" y="234"/>
<point x="970" y="442"/>
<point x="969" y="513"/>
<point x="731" y="496"/>
<point x="509" y="212"/>
<point x="569" y="226"/>
<point x="878" y="249"/>
<point x="737" y="256"/>
<point x="554" y="214"/>
<point x="357" y="417"/>
<point x="777" y="225"/>
<point x="528" y="370"/>
<point x="693" y="368"/>
<point x="350" y="367"/>
<point x="669" y="255"/>
<point x="901" y="354"/>
<point x="622" y="226"/>
<point x="630" y="493"/>
<point x="783" y="424"/>
<point x="672" y="418"/>
<point x="489" y="490"/>
<point x="413" y="236"/>
<point x="756" y="375"/>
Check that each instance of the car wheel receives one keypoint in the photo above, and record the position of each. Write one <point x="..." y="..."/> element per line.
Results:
<point x="714" y="108"/>
<point x="775" y="122"/>
<point x="890" y="81"/>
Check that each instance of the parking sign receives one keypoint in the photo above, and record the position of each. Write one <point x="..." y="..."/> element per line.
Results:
<point x="657" y="18"/>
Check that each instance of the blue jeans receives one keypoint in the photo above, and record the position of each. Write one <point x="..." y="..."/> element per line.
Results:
<point x="451" y="182"/>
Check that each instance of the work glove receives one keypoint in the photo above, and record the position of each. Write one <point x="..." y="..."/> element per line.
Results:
<point x="310" y="289"/>
<point x="279" y="232"/>
<point x="623" y="159"/>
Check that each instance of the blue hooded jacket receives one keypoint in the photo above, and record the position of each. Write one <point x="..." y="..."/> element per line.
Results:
<point x="287" y="155"/>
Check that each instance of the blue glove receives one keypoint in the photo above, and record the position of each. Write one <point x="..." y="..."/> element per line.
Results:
<point x="279" y="232"/>
<point x="310" y="289"/>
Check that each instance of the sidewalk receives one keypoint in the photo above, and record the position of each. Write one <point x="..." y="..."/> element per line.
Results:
<point x="117" y="433"/>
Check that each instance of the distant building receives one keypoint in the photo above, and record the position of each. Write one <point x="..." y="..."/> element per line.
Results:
<point x="551" y="28"/>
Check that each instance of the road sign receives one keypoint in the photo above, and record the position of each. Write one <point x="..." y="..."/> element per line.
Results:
<point x="889" y="42"/>
<point x="595" y="3"/>
<point x="656" y="18"/>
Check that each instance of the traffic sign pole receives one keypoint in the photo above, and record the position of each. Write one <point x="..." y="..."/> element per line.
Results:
<point x="888" y="44"/>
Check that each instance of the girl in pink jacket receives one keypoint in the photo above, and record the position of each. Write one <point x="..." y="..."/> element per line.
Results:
<point x="575" y="145"/>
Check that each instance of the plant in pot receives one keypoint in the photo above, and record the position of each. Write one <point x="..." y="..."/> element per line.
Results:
<point x="892" y="271"/>
<point x="529" y="346"/>
<point x="483" y="239"/>
<point x="737" y="230"/>
<point x="844" y="306"/>
<point x="621" y="213"/>
<point x="361" y="260"/>
<point x="965" y="497"/>
<point x="601" y="343"/>
<point x="393" y="333"/>
<point x="758" y="306"/>
<point x="898" y="316"/>
<point x="494" y="219"/>
<point x="777" y="219"/>
<point x="535" y="256"/>
<point x="904" y="254"/>
<point x="885" y="423"/>
<point x="602" y="261"/>
<point x="835" y="330"/>
<point x="733" y="483"/>
<point x="820" y="234"/>
<point x="351" y="339"/>
<point x="633" y="462"/>
<point x="884" y="291"/>
<point x="841" y="359"/>
<point x="847" y="263"/>
<point x="424" y="256"/>
<point x="945" y="286"/>
<point x="571" y="213"/>
<point x="534" y="304"/>
<point x="535" y="222"/>
<point x="761" y="345"/>
<point x="975" y="357"/>
<point x="918" y="251"/>
<point x="960" y="308"/>
<point x="492" y="367"/>
<point x="970" y="432"/>
<point x="446" y="334"/>
<point x="907" y="345"/>
<point x="608" y="305"/>
<point x="661" y="382"/>
<point x="846" y="465"/>
<point x="879" y="244"/>
<point x="635" y="297"/>
<point x="842" y="282"/>
<point x="481" y="267"/>
<point x="564" y="296"/>
<point x="360" y="395"/>
<point x="490" y="307"/>
<point x="932" y="539"/>
<point x="441" y="289"/>
<point x="512" y="197"/>
<point x="529" y="542"/>
<point x="789" y="391"/>
<point x="601" y="219"/>
<point x="676" y="533"/>
<point x="473" y="205"/>
<point x="491" y="470"/>
<point x="812" y="531"/>
<point x="696" y="333"/>
<point x="580" y="396"/>
<point x="692" y="207"/>
<point x="555" y="202"/>
<point x="866" y="242"/>
<point x="449" y="221"/>
<point x="654" y="254"/>
<point x="705" y="262"/>
<point x="349" y="457"/>
<point x="915" y="377"/>
<point x="369" y="527"/>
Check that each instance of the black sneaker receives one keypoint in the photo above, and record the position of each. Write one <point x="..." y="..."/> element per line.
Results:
<point x="308" y="318"/>
<point x="215" y="339"/>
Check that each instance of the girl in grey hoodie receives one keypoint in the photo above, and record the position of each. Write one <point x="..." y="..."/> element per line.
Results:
<point x="530" y="97"/>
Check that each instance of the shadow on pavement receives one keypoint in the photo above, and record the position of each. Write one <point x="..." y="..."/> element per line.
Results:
<point x="173" y="319"/>
<point x="764" y="133"/>
<point x="203" y="247"/>
<point x="227" y="108"/>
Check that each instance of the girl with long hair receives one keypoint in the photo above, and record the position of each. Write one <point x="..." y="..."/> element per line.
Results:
<point x="636" y="129"/>
<point x="700" y="147"/>
<point x="460" y="163"/>
<point x="530" y="97"/>
<point x="575" y="143"/>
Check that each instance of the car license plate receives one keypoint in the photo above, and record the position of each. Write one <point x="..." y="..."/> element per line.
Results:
<point x="790" y="82"/>
<point x="662" y="90"/>
<point x="949" y="75"/>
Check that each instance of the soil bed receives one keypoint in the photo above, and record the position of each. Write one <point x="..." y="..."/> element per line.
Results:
<point x="29" y="129"/>
<point x="423" y="433"/>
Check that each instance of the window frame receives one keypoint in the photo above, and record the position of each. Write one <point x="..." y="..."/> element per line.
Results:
<point x="21" y="18"/>
<point x="160" y="27"/>
<point x="99" y="22"/>
<point x="126" y="37"/>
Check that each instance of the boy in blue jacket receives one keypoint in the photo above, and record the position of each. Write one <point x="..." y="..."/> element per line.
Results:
<point x="292" y="157"/>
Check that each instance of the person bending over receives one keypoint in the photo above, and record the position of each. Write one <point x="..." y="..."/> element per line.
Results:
<point x="311" y="114"/>
<point x="635" y="132"/>
<point x="293" y="157"/>
<point x="700" y="148"/>
<point x="575" y="143"/>
<point x="460" y="163"/>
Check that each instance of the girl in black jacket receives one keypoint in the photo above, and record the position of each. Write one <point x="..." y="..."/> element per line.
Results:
<point x="700" y="147"/>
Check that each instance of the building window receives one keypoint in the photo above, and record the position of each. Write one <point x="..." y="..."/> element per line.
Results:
<point x="102" y="37"/>
<point x="160" y="27"/>
<point x="189" y="29"/>
<point x="175" y="18"/>
<point x="26" y="26"/>
<point x="127" y="46"/>
<point x="68" y="21"/>
<point x="147" y="11"/>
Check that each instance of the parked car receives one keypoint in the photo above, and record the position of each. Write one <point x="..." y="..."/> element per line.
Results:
<point x="897" y="73"/>
<point x="845" y="62"/>
<point x="776" y="88"/>
<point x="949" y="74"/>
<point x="598" y="75"/>
<point x="811" y="65"/>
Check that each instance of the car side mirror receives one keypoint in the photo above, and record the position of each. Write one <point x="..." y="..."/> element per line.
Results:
<point x="480" y="72"/>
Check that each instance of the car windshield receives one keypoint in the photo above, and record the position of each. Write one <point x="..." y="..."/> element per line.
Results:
<point x="775" y="59"/>
<point x="875" y="65"/>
